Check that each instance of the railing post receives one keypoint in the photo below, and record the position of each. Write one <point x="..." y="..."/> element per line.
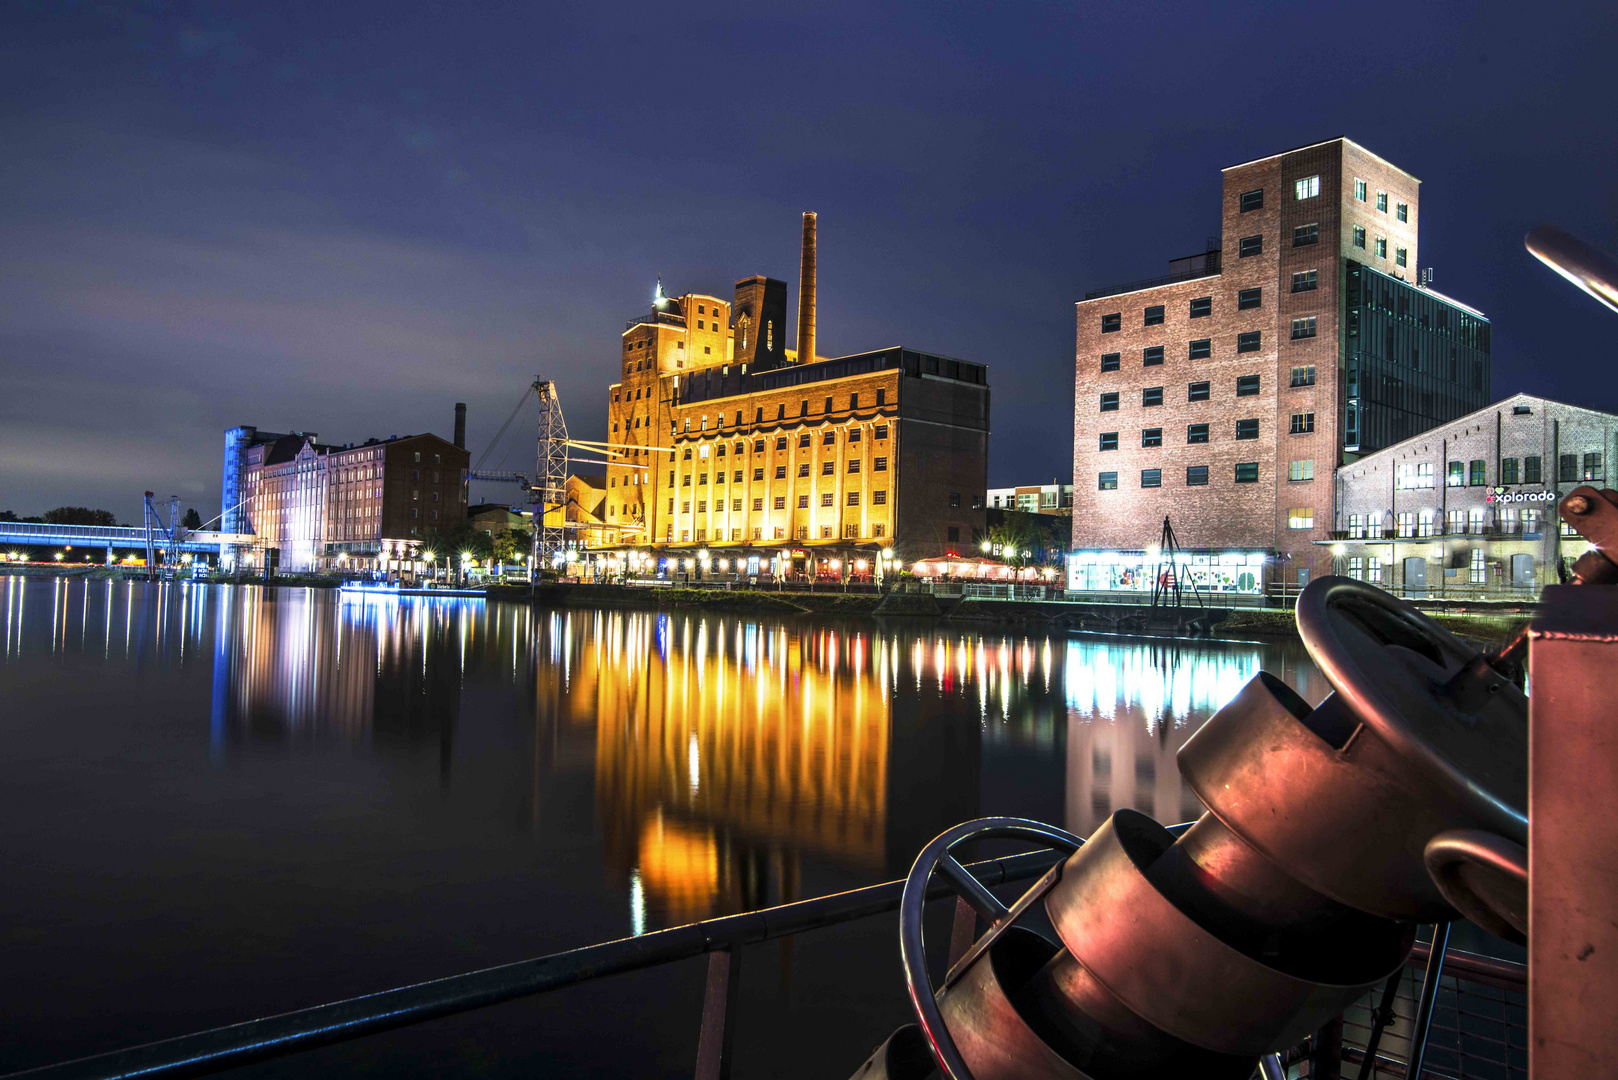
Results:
<point x="718" y="1015"/>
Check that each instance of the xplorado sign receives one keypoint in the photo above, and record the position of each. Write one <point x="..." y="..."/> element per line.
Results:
<point x="1501" y="495"/>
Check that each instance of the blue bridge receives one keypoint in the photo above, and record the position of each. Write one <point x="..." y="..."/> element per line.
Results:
<point x="17" y="533"/>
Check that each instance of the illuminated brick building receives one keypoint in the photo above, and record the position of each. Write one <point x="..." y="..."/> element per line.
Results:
<point x="1225" y="395"/>
<point x="741" y="446"/>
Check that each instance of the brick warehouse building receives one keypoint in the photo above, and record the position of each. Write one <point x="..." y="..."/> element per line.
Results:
<point x="1225" y="395"/>
<point x="782" y="459"/>
<point x="313" y="506"/>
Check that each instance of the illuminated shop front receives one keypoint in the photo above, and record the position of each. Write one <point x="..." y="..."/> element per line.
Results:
<point x="1137" y="571"/>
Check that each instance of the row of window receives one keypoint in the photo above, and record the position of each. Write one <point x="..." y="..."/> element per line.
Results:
<point x="827" y="468"/>
<point x="1309" y="187"/>
<point x="1301" y="424"/>
<point x="1201" y="307"/>
<point x="1401" y="256"/>
<point x="1509" y="520"/>
<point x="1246" y="386"/>
<point x="851" y="531"/>
<point x="827" y="498"/>
<point x="1570" y="469"/>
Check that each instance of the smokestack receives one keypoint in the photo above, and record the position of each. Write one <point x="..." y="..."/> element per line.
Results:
<point x="460" y="424"/>
<point x="806" y="292"/>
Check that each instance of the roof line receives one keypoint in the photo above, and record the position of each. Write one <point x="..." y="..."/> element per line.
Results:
<point x="1323" y="142"/>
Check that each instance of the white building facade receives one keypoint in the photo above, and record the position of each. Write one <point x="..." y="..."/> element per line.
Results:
<point x="1469" y="508"/>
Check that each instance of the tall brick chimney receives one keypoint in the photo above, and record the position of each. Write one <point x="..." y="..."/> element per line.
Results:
<point x="460" y="424"/>
<point x="806" y="292"/>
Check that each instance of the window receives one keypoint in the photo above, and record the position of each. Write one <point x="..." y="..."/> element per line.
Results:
<point x="1399" y="257"/>
<point x="1382" y="201"/>
<point x="1247" y="429"/>
<point x="803" y="502"/>
<point x="1107" y="481"/>
<point x="780" y="472"/>
<point x="1302" y="423"/>
<point x="1252" y="200"/>
<point x="1152" y="395"/>
<point x="1303" y="328"/>
<point x="1303" y="376"/>
<point x="879" y="464"/>
<point x="1402" y="211"/>
<point x="1568" y="470"/>
<point x="1246" y="385"/>
<point x="1109" y="402"/>
<point x="1152" y="436"/>
<point x="1426" y="525"/>
<point x="1151" y="478"/>
<point x="1307" y="188"/>
<point x="702" y="506"/>
<point x="1304" y="235"/>
<point x="1301" y="517"/>
<point x="1154" y="315"/>
<point x="781" y="443"/>
<point x="854" y="464"/>
<point x="758" y="504"/>
<point x="1382" y="247"/>
<point x="780" y="502"/>
<point x="853" y="498"/>
<point x="803" y="440"/>
<point x="1306" y="281"/>
<point x="1592" y="466"/>
<point x="1359" y="236"/>
<point x="1531" y="470"/>
<point x="1477" y="471"/>
<point x="1201" y="349"/>
<point x="1304" y="469"/>
<point x="1249" y="298"/>
<point x="1109" y="440"/>
<point x="879" y="498"/>
<point x="1248" y="342"/>
<point x="803" y="468"/>
<point x="1247" y="472"/>
<point x="953" y="534"/>
<point x="1197" y="391"/>
<point x="1111" y="324"/>
<point x="1152" y="357"/>
<point x="685" y="481"/>
<point x="1110" y="361"/>
<point x="881" y="397"/>
<point x="1250" y="245"/>
<point x="1508" y="470"/>
<point x="881" y="429"/>
<point x="758" y="474"/>
<point x="1196" y="433"/>
<point x="1196" y="476"/>
<point x="1456" y="475"/>
<point x="1202" y="307"/>
<point x="1359" y="189"/>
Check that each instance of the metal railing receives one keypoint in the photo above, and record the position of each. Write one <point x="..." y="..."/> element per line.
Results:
<point x="721" y="939"/>
<point x="668" y="318"/>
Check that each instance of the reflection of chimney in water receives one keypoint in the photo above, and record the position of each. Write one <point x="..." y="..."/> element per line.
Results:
<point x="460" y="424"/>
<point x="806" y="292"/>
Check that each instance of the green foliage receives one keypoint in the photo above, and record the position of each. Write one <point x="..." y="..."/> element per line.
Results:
<point x="511" y="543"/>
<point x="79" y="515"/>
<point x="453" y="543"/>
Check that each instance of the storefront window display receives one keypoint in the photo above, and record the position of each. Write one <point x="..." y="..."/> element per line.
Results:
<point x="1136" y="571"/>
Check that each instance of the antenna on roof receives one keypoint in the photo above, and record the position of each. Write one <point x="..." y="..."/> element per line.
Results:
<point x="1426" y="276"/>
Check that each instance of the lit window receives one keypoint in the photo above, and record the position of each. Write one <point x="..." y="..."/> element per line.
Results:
<point x="1382" y="247"/>
<point x="1301" y="517"/>
<point x="1307" y="188"/>
<point x="1382" y="201"/>
<point x="1301" y="470"/>
<point x="1359" y="236"/>
<point x="1359" y="189"/>
<point x="1302" y="423"/>
<point x="1400" y="257"/>
<point x="1403" y="211"/>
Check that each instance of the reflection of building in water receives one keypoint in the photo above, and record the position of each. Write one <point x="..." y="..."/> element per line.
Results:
<point x="1130" y="709"/>
<point x="286" y="670"/>
<point x="724" y="748"/>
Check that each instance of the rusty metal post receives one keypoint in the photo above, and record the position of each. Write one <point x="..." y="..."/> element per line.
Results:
<point x="963" y="930"/>
<point x="719" y="1000"/>
<point x="1573" y="837"/>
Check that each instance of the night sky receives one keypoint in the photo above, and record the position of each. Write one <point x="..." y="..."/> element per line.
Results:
<point x="343" y="218"/>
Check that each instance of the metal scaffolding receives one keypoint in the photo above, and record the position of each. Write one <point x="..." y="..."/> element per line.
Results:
<point x="550" y="476"/>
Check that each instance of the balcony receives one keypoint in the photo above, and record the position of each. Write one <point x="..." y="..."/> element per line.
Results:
<point x="653" y="317"/>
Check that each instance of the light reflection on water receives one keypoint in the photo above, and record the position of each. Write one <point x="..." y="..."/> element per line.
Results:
<point x="725" y="753"/>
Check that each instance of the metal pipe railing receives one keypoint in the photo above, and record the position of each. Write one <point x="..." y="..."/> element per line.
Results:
<point x="340" y="1021"/>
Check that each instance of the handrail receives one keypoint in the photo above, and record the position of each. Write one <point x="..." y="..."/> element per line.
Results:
<point x="222" y="1048"/>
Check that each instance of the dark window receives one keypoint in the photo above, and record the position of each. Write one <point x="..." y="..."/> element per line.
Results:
<point x="758" y="474"/>
<point x="1508" y="470"/>
<point x="1249" y="298"/>
<point x="1197" y="391"/>
<point x="1592" y="466"/>
<point x="1568" y="472"/>
<point x="1247" y="472"/>
<point x="1248" y="342"/>
<point x="803" y="441"/>
<point x="1307" y="281"/>
<point x="1196" y="476"/>
<point x="955" y="500"/>
<point x="1152" y="357"/>
<point x="1151" y="478"/>
<point x="1109" y="402"/>
<point x="1519" y="410"/>
<point x="1109" y="440"/>
<point x="1531" y="470"/>
<point x="1109" y="361"/>
<point x="781" y="443"/>
<point x="1359" y="236"/>
<point x="1302" y="423"/>
<point x="1111" y="324"/>
<point x="1247" y="429"/>
<point x="1201" y="349"/>
<point x="1152" y="395"/>
<point x="1152" y="436"/>
<point x="1303" y="376"/>
<point x="780" y="472"/>
<point x="1249" y="245"/>
<point x="1303" y="328"/>
<point x="1246" y="385"/>
<point x="882" y="431"/>
<point x="879" y="464"/>
<point x="1304" y="235"/>
<point x="1154" y="315"/>
<point x="1202" y="307"/>
<point x="1478" y="472"/>
<point x="1107" y="481"/>
<point x="1252" y="200"/>
<point x="1404" y="211"/>
<point x="1196" y="433"/>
